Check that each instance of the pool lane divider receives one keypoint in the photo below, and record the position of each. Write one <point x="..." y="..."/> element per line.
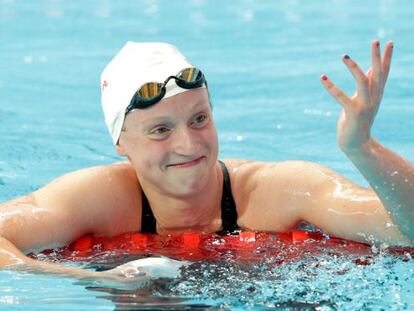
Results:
<point x="246" y="246"/>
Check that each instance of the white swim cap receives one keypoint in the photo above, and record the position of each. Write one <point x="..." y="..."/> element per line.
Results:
<point x="136" y="64"/>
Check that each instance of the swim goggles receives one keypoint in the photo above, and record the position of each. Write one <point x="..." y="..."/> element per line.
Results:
<point x="152" y="92"/>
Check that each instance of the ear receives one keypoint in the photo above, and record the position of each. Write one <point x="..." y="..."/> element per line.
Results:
<point x="120" y="150"/>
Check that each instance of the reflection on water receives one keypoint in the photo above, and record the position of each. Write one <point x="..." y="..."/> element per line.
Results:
<point x="155" y="297"/>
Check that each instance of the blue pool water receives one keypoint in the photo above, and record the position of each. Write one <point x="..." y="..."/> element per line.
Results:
<point x="263" y="60"/>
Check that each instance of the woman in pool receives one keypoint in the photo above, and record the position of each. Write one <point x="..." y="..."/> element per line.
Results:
<point x="173" y="181"/>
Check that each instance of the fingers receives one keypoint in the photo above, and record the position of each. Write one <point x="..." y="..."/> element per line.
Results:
<point x="360" y="77"/>
<point x="374" y="81"/>
<point x="335" y="92"/>
<point x="369" y="73"/>
<point x="354" y="69"/>
<point x="376" y="59"/>
<point x="376" y="77"/>
<point x="386" y="61"/>
<point x="370" y="85"/>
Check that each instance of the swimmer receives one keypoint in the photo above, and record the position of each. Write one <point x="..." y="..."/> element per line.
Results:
<point x="158" y="112"/>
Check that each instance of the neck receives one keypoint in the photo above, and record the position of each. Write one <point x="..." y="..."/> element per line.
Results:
<point x="198" y="212"/>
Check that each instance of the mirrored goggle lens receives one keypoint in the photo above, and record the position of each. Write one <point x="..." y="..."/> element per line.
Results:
<point x="190" y="75"/>
<point x="150" y="90"/>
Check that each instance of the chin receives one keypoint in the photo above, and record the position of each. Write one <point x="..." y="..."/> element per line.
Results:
<point x="185" y="193"/>
<point x="189" y="184"/>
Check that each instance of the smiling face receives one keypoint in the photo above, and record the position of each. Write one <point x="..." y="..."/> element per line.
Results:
<point x="173" y="144"/>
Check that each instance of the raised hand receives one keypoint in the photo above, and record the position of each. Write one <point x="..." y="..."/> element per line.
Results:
<point x="358" y="114"/>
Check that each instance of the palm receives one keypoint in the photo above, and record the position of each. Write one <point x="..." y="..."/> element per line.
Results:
<point x="354" y="125"/>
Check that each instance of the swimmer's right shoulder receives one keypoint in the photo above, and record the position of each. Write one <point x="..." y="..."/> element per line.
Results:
<point x="119" y="175"/>
<point x="124" y="169"/>
<point x="120" y="172"/>
<point x="106" y="198"/>
<point x="106" y="183"/>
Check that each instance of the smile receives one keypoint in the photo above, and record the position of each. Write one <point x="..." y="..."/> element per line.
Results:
<point x="187" y="164"/>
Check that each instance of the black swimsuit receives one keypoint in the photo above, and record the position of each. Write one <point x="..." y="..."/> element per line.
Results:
<point x="228" y="209"/>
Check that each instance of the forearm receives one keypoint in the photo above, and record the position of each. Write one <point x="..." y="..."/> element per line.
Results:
<point x="392" y="178"/>
<point x="40" y="267"/>
<point x="13" y="259"/>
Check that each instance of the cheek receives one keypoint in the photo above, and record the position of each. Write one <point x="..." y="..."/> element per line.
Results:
<point x="151" y="155"/>
<point x="134" y="150"/>
<point x="211" y="138"/>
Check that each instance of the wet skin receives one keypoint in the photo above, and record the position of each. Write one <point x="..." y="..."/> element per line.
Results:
<point x="172" y="151"/>
<point x="174" y="161"/>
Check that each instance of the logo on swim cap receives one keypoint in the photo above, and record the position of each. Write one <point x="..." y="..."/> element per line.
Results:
<point x="104" y="85"/>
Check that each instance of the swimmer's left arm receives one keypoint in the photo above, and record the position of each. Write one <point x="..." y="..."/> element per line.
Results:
<point x="276" y="197"/>
<point x="389" y="175"/>
<point x="346" y="210"/>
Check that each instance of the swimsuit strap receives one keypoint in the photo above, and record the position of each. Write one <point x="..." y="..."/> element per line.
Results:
<point x="148" y="222"/>
<point x="228" y="209"/>
<point x="228" y="206"/>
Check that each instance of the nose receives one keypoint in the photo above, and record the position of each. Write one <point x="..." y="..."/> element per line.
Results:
<point x="185" y="141"/>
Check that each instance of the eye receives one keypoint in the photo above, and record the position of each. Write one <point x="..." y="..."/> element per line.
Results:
<point x="200" y="120"/>
<point x="160" y="132"/>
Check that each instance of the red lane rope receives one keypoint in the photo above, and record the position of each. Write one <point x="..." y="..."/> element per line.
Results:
<point x="247" y="246"/>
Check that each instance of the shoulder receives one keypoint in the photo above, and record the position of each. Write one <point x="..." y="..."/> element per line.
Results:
<point x="247" y="171"/>
<point x="269" y="196"/>
<point x="262" y="181"/>
<point x="117" y="174"/>
<point x="122" y="170"/>
<point x="107" y="196"/>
